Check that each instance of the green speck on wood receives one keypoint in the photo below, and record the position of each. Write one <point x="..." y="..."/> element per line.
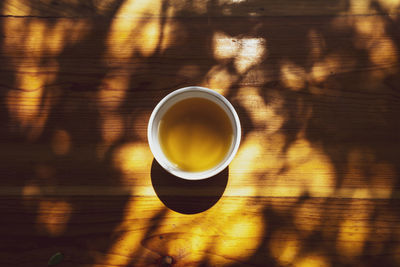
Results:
<point x="55" y="259"/>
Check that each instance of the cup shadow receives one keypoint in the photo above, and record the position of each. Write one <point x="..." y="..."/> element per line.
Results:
<point x="185" y="196"/>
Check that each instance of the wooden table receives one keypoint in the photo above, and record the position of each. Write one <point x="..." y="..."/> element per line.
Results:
<point x="315" y="181"/>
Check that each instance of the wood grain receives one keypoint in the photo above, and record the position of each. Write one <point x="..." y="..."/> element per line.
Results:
<point x="256" y="231"/>
<point x="315" y="181"/>
<point x="154" y="8"/>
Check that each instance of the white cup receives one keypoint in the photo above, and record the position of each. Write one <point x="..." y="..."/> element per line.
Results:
<point x="170" y="100"/>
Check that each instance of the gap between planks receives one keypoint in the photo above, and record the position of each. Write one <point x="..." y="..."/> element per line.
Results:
<point x="239" y="191"/>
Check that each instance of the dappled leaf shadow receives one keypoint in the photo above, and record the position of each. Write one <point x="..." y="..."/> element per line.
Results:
<point x="316" y="85"/>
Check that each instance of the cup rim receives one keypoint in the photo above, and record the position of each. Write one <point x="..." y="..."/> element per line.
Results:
<point x="186" y="174"/>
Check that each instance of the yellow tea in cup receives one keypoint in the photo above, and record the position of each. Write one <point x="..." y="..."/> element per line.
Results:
<point x="195" y="134"/>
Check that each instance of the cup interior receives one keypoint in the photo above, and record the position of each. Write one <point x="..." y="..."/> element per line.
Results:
<point x="179" y="95"/>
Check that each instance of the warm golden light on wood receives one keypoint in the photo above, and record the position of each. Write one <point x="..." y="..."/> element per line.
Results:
<point x="315" y="181"/>
<point x="53" y="217"/>
<point x="133" y="160"/>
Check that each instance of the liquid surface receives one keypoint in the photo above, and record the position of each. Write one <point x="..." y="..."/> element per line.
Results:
<point x="195" y="134"/>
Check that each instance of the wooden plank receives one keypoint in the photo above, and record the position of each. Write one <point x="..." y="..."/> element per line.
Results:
<point x="316" y="179"/>
<point x="319" y="116"/>
<point x="223" y="8"/>
<point x="124" y="231"/>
